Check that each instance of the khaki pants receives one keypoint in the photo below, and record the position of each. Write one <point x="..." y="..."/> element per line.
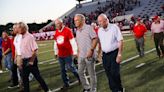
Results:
<point x="84" y="64"/>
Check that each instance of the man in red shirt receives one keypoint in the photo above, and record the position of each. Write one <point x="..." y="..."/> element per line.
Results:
<point x="64" y="47"/>
<point x="14" y="65"/>
<point x="6" y="49"/>
<point x="139" y="31"/>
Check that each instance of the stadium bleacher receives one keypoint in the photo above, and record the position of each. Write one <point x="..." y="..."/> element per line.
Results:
<point x="113" y="8"/>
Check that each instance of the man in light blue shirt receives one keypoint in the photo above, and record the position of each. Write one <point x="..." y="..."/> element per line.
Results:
<point x="111" y="41"/>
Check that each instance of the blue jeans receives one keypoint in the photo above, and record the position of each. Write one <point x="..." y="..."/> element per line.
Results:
<point x="67" y="62"/>
<point x="8" y="61"/>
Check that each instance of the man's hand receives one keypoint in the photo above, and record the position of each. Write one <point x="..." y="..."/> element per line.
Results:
<point x="4" y="54"/>
<point x="31" y="62"/>
<point x="19" y="62"/>
<point x="90" y="53"/>
<point x="75" y="56"/>
<point x="119" y="58"/>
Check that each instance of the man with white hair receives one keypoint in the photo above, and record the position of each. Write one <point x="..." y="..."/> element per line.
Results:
<point x="111" y="41"/>
<point x="64" y="47"/>
<point x="28" y="50"/>
<point x="86" y="40"/>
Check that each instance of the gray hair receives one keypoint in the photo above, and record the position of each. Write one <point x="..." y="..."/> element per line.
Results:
<point x="23" y="25"/>
<point x="81" y="16"/>
<point x="104" y="16"/>
<point x="59" y="19"/>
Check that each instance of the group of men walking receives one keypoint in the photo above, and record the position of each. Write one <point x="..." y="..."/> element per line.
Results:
<point x="20" y="52"/>
<point x="83" y="47"/>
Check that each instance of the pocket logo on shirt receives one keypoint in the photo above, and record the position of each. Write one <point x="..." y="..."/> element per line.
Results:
<point x="60" y="39"/>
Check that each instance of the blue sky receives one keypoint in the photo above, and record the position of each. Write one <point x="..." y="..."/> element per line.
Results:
<point x="33" y="10"/>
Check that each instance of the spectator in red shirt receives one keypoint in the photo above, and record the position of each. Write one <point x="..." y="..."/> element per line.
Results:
<point x="6" y="49"/>
<point x="65" y="46"/>
<point x="139" y="31"/>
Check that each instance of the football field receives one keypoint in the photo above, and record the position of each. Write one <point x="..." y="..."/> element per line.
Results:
<point x="144" y="74"/>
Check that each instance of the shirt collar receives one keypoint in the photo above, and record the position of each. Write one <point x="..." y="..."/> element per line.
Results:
<point x="25" y="34"/>
<point x="83" y="27"/>
<point x="61" y="29"/>
<point x="108" y="27"/>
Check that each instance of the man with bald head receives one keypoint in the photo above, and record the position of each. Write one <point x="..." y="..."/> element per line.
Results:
<point x="86" y="40"/>
<point x="111" y="41"/>
<point x="65" y="47"/>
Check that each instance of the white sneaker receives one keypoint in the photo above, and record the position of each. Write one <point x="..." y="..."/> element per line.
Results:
<point x="1" y="71"/>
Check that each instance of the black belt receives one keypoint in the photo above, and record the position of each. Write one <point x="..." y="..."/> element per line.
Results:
<point x="110" y="51"/>
<point x="159" y="33"/>
<point x="26" y="58"/>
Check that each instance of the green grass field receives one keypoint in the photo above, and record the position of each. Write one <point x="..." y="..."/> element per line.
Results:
<point x="147" y="78"/>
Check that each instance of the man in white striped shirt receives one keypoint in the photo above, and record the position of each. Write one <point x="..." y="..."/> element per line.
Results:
<point x="86" y="40"/>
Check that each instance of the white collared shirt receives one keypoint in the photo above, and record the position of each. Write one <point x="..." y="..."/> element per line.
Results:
<point x="17" y="43"/>
<point x="109" y="37"/>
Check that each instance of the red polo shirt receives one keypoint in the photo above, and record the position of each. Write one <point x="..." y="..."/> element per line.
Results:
<point x="63" y="42"/>
<point x="139" y="30"/>
<point x="6" y="44"/>
<point x="12" y="48"/>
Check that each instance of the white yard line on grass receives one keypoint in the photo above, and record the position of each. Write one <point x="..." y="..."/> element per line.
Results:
<point x="140" y="65"/>
<point x="100" y="71"/>
<point x="47" y="61"/>
<point x="45" y="51"/>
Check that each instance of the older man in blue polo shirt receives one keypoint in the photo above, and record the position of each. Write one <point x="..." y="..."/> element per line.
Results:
<point x="111" y="41"/>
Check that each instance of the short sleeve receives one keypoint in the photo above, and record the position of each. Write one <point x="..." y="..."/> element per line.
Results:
<point x="33" y="44"/>
<point x="92" y="33"/>
<point x="119" y="36"/>
<point x="70" y="34"/>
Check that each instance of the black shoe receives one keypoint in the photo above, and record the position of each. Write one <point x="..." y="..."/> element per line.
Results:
<point x="65" y="87"/>
<point x="86" y="90"/>
<point x="13" y="86"/>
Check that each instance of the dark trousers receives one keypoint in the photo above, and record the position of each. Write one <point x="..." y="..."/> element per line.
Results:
<point x="14" y="74"/>
<point x="158" y="40"/>
<point x="140" y="45"/>
<point x="27" y="69"/>
<point x="112" y="69"/>
<point x="67" y="62"/>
